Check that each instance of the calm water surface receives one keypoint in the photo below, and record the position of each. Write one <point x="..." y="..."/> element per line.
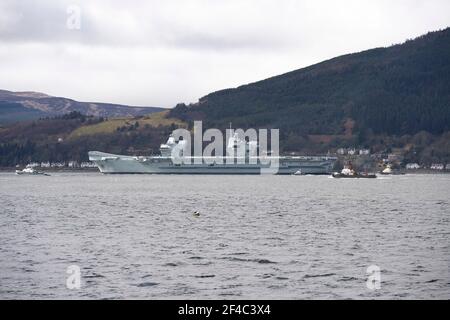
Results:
<point x="257" y="237"/>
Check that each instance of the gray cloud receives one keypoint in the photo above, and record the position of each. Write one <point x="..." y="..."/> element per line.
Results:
<point x="141" y="23"/>
<point x="22" y="21"/>
<point x="161" y="52"/>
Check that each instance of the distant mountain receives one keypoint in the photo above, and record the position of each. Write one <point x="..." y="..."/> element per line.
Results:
<point x="402" y="89"/>
<point x="18" y="106"/>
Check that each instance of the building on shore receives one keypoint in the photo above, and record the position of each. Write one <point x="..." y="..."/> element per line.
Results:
<point x="437" y="166"/>
<point x="341" y="151"/>
<point x="33" y="164"/>
<point x="73" y="164"/>
<point x="364" y="152"/>
<point x="412" y="166"/>
<point x="58" y="164"/>
<point x="88" y="164"/>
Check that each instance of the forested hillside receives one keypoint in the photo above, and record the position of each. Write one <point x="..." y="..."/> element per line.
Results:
<point x="70" y="137"/>
<point x="403" y="89"/>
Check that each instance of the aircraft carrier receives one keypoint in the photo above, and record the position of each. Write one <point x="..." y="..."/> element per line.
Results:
<point x="170" y="162"/>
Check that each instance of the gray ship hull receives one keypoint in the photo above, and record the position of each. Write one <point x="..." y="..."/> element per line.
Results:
<point x="119" y="164"/>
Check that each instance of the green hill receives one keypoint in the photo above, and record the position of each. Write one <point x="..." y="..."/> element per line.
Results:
<point x="399" y="90"/>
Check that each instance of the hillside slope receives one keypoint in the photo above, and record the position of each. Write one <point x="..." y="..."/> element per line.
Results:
<point x="71" y="136"/>
<point x="403" y="89"/>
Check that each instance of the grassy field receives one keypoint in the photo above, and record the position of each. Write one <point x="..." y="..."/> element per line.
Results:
<point x="111" y="125"/>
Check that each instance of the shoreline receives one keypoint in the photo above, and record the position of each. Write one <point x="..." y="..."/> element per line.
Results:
<point x="84" y="170"/>
<point x="81" y="170"/>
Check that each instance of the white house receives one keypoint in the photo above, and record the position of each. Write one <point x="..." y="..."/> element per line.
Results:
<point x="364" y="152"/>
<point x="412" y="166"/>
<point x="58" y="164"/>
<point x="341" y="151"/>
<point x="88" y="165"/>
<point x="73" y="164"/>
<point x="33" y="164"/>
<point x="45" y="164"/>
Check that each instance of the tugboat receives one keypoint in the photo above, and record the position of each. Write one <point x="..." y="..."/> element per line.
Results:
<point x="30" y="171"/>
<point x="349" y="172"/>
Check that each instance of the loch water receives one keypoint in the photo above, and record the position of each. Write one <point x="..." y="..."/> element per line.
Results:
<point x="256" y="237"/>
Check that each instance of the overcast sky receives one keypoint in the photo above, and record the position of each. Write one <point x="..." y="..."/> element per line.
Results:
<point x="159" y="53"/>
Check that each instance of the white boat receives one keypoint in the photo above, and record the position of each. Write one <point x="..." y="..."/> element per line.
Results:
<point x="349" y="172"/>
<point x="387" y="170"/>
<point x="30" y="171"/>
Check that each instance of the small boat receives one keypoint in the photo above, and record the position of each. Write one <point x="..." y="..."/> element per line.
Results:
<point x="348" y="172"/>
<point x="356" y="175"/>
<point x="30" y="171"/>
<point x="388" y="171"/>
